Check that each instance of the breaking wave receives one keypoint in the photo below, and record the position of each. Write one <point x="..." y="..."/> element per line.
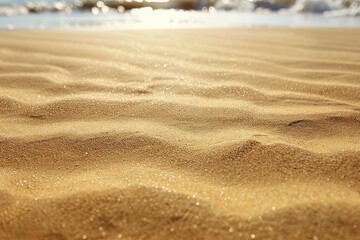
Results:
<point x="326" y="7"/>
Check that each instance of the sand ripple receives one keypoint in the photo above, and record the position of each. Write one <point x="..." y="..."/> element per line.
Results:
<point x="181" y="134"/>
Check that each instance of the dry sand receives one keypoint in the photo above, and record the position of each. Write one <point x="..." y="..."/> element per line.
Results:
<point x="180" y="134"/>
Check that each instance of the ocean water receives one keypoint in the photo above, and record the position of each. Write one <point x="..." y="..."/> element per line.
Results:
<point x="40" y="14"/>
<point x="20" y="2"/>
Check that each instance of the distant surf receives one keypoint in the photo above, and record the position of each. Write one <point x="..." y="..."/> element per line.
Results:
<point x="17" y="7"/>
<point x="178" y="13"/>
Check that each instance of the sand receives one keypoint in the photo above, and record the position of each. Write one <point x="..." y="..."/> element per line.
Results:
<point x="180" y="134"/>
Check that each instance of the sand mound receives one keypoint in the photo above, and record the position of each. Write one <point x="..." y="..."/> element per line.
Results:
<point x="180" y="134"/>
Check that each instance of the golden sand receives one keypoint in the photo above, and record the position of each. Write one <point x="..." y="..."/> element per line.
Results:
<point x="180" y="134"/>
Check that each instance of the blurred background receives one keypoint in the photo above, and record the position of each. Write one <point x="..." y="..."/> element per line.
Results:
<point x="39" y="14"/>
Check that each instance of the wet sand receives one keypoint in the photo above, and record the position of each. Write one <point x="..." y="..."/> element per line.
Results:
<point x="180" y="134"/>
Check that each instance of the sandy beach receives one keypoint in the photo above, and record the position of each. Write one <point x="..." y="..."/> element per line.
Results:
<point x="180" y="134"/>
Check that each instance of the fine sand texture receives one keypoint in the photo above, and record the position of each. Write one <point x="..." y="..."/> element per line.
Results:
<point x="180" y="134"/>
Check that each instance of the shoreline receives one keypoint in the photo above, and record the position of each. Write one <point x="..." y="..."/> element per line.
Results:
<point x="164" y="19"/>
